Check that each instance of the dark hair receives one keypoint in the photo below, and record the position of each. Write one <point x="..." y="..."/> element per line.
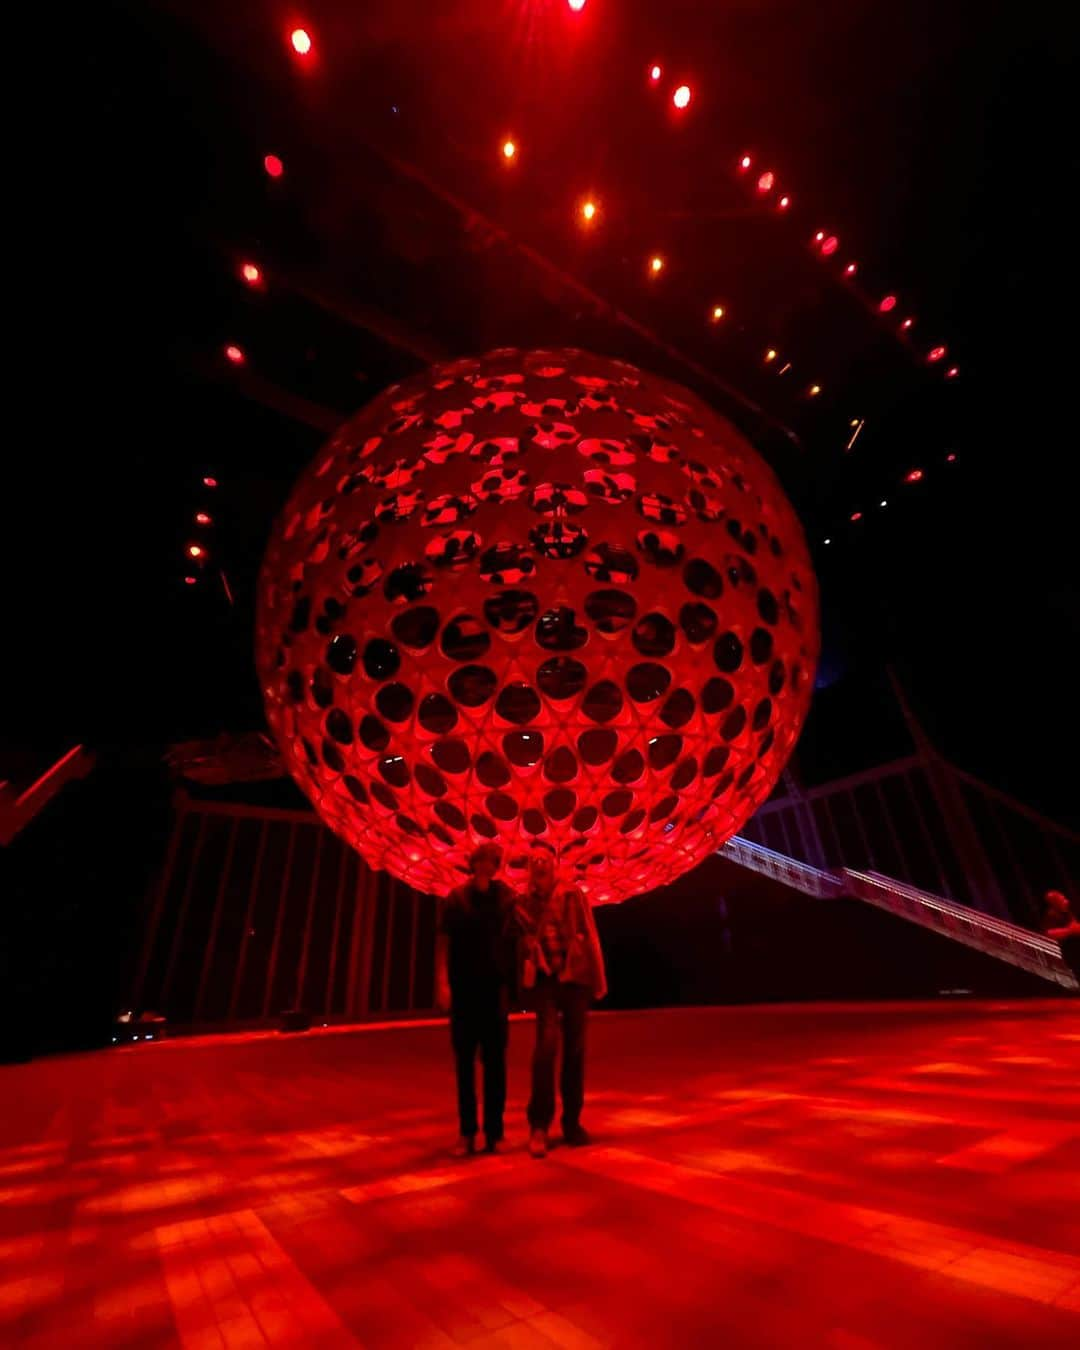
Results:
<point x="485" y="850"/>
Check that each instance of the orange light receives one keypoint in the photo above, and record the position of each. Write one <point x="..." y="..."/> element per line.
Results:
<point x="915" y="476"/>
<point x="766" y="181"/>
<point x="251" y="274"/>
<point x="936" y="353"/>
<point x="745" y="163"/>
<point x="509" y="149"/>
<point x="301" y="41"/>
<point x="717" y="313"/>
<point x="209" y="482"/>
<point x="784" y="203"/>
<point x="273" y="166"/>
<point x="654" y="73"/>
<point x="770" y="355"/>
<point x="656" y="264"/>
<point x="588" y="209"/>
<point x="851" y="269"/>
<point x="814" y="390"/>
<point x="888" y="303"/>
<point x="195" y="550"/>
<point x="681" y="96"/>
<point x="201" y="518"/>
<point x="234" y="354"/>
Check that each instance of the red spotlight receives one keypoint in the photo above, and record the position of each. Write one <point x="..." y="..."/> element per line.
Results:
<point x="301" y="41"/>
<point x="273" y="166"/>
<point x="201" y="518"/>
<point x="950" y="458"/>
<point x="681" y="96"/>
<point x="906" y="325"/>
<point x="952" y="372"/>
<point x="888" y="303"/>
<point x="189" y="581"/>
<point x="936" y="353"/>
<point x="784" y="203"/>
<point x="234" y="354"/>
<point x="855" y="515"/>
<point x="745" y="163"/>
<point x="210" y="482"/>
<point x="251" y="274"/>
<point x="654" y="73"/>
<point x="914" y="476"/>
<point x="851" y="269"/>
<point x="829" y="246"/>
<point x="766" y="181"/>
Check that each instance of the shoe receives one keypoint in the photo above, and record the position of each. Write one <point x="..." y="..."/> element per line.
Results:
<point x="577" y="1136"/>
<point x="538" y="1143"/>
<point x="491" y="1145"/>
<point x="465" y="1146"/>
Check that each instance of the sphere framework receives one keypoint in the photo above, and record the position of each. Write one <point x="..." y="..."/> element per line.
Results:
<point x="537" y="597"/>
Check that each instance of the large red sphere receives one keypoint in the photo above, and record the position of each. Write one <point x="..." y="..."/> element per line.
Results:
<point x="537" y="596"/>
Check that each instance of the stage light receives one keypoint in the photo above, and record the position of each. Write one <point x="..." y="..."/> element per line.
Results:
<point x="936" y="353"/>
<point x="210" y="482"/>
<point x="195" y="550"/>
<point x="784" y="203"/>
<point x="766" y="181"/>
<point x="188" y="581"/>
<point x="745" y="162"/>
<point x="950" y="459"/>
<point x="717" y="313"/>
<point x="301" y="41"/>
<point x="814" y="390"/>
<point x="906" y="325"/>
<point x="576" y="5"/>
<point x="883" y="502"/>
<point x="509" y="150"/>
<point x="888" y="303"/>
<point x="827" y="541"/>
<point x="681" y="96"/>
<point x="654" y="73"/>
<point x="588" y="209"/>
<point x="952" y="372"/>
<point x="913" y="476"/>
<point x="855" y="515"/>
<point x="251" y="274"/>
<point x="829" y="246"/>
<point x="234" y="354"/>
<point x="656" y="264"/>
<point x="770" y="354"/>
<point x="851" y="269"/>
<point x="273" y="166"/>
<point x="201" y="518"/>
<point x="819" y="237"/>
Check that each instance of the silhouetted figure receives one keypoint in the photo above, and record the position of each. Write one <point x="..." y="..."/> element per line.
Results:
<point x="474" y="964"/>
<point x="562" y="971"/>
<point x="1060" y="923"/>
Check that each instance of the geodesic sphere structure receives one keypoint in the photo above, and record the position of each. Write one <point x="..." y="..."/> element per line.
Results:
<point x="537" y="596"/>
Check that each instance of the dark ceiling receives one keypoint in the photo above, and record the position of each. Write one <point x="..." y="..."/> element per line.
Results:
<point x="928" y="137"/>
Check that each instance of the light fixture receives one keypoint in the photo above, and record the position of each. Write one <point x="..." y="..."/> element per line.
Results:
<point x="770" y="354"/>
<point x="950" y="458"/>
<point x="301" y="41"/>
<point x="913" y="476"/>
<point x="509" y="149"/>
<point x="906" y="325"/>
<point x="829" y="246"/>
<point x="681" y="96"/>
<point x="766" y="181"/>
<point x="201" y="518"/>
<point x="888" y="302"/>
<point x="952" y="372"/>
<point x="654" y="73"/>
<point x="851" y="269"/>
<point x="819" y="237"/>
<point x="717" y="313"/>
<point x="188" y="581"/>
<point x="828" y="541"/>
<point x="273" y="166"/>
<point x="234" y="354"/>
<point x="784" y="203"/>
<point x="210" y="482"/>
<point x="251" y="273"/>
<point x="656" y="264"/>
<point x="745" y="163"/>
<point x="588" y="209"/>
<point x="883" y="502"/>
<point x="936" y="353"/>
<point x="814" y="390"/>
<point x="855" y="515"/>
<point x="576" y="5"/>
<point x="195" y="550"/>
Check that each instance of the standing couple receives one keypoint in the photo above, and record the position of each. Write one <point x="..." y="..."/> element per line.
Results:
<point x="542" y="944"/>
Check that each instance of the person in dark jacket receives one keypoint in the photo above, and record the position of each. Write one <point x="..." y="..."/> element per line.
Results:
<point x="474" y="967"/>
<point x="561" y="971"/>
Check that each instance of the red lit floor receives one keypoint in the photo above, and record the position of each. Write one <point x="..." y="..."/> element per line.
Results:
<point x="847" y="1177"/>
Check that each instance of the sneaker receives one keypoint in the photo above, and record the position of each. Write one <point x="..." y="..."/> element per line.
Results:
<point x="466" y="1146"/>
<point x="577" y="1136"/>
<point x="538" y="1143"/>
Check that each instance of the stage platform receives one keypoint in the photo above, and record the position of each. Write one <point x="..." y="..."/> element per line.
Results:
<point x="846" y="1176"/>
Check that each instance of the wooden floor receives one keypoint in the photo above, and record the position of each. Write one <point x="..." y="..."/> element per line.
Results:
<point x="856" y="1176"/>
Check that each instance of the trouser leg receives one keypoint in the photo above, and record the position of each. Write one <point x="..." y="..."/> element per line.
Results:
<point x="574" y="1004"/>
<point x="493" y="1054"/>
<point x="541" y="1110"/>
<point x="464" y="1038"/>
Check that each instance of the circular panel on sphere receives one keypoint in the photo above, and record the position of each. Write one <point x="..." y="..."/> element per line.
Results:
<point x="537" y="597"/>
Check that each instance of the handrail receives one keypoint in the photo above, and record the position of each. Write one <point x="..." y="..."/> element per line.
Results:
<point x="16" y="811"/>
